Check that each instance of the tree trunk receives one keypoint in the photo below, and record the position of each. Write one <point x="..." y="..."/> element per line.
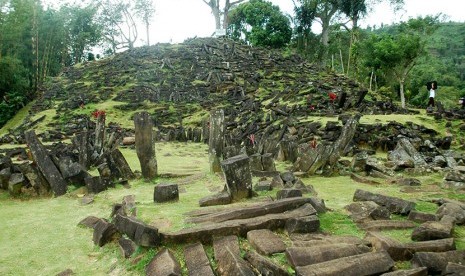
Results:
<point x="402" y="96"/>
<point x="147" y="29"/>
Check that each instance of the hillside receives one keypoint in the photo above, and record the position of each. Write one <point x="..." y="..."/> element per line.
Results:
<point x="180" y="84"/>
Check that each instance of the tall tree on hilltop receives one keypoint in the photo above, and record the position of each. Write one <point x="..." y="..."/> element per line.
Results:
<point x="397" y="53"/>
<point x="83" y="30"/>
<point x="260" y="23"/>
<point x="145" y="10"/>
<point x="222" y="12"/>
<point x="322" y="11"/>
<point x="119" y="25"/>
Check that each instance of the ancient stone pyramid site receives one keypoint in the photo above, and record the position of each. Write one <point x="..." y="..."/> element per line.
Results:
<point x="255" y="109"/>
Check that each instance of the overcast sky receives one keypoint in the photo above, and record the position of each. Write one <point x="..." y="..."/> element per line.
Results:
<point x="176" y="20"/>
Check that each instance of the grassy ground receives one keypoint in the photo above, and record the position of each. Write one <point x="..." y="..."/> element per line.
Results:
<point x="41" y="237"/>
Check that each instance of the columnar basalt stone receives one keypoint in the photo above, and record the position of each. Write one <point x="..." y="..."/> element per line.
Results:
<point x="127" y="247"/>
<point x="95" y="184"/>
<point x="4" y="177"/>
<point x="287" y="193"/>
<point x="393" y="204"/>
<point x="268" y="162"/>
<point x="105" y="175"/>
<point x="404" y="153"/>
<point x="302" y="256"/>
<point x="256" y="162"/>
<point x="404" y="251"/>
<point x="164" y="263"/>
<point x="197" y="262"/>
<point x="216" y="139"/>
<point x="307" y="224"/>
<point x="81" y="142"/>
<point x="45" y="164"/>
<point x="16" y="182"/>
<point x="436" y="262"/>
<point x="104" y="232"/>
<point x="35" y="178"/>
<point x="264" y="265"/>
<point x="164" y="192"/>
<point x="361" y="264"/>
<point x="139" y="232"/>
<point x="266" y="242"/>
<point x="238" y="177"/>
<point x="99" y="133"/>
<point x="122" y="165"/>
<point x="145" y="146"/>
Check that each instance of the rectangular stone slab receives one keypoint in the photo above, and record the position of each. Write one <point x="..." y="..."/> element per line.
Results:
<point x="204" y="233"/>
<point x="261" y="209"/>
<point x="197" y="262"/>
<point x="357" y="265"/>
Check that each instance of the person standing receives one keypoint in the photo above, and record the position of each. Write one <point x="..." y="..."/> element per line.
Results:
<point x="432" y="87"/>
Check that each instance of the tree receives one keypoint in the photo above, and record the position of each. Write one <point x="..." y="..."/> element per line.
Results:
<point x="117" y="18"/>
<point x="83" y="30"/>
<point x="145" y="10"/>
<point x="321" y="10"/>
<point x="396" y="54"/>
<point x="260" y="23"/>
<point x="219" y="11"/>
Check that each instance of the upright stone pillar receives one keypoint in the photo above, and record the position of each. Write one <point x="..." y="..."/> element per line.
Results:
<point x="82" y="143"/>
<point x="216" y="139"/>
<point x="45" y="164"/>
<point x="145" y="146"/>
<point x="238" y="177"/>
<point x="99" y="133"/>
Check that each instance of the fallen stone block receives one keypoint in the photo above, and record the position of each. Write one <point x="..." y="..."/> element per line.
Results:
<point x="453" y="210"/>
<point x="239" y="227"/>
<point x="432" y="230"/>
<point x="266" y="242"/>
<point x="197" y="262"/>
<point x="232" y="264"/>
<point x="454" y="269"/>
<point x="127" y="247"/>
<point x="356" y="265"/>
<point x="104" y="232"/>
<point x="436" y="262"/>
<point x="393" y="204"/>
<point x="163" y="263"/>
<point x="419" y="271"/>
<point x="261" y="209"/>
<point x="222" y="198"/>
<point x="226" y="243"/>
<point x="288" y="193"/>
<point x="139" y="232"/>
<point x="303" y="256"/>
<point x="264" y="265"/>
<point x="165" y="192"/>
<point x="404" y="251"/>
<point x="378" y="225"/>
<point x="303" y="224"/>
<point x="367" y="210"/>
<point x="422" y="217"/>
<point x="310" y="240"/>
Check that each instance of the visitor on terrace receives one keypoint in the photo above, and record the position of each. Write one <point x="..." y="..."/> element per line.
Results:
<point x="431" y="86"/>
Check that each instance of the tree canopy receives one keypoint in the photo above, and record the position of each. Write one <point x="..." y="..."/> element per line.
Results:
<point x="260" y="23"/>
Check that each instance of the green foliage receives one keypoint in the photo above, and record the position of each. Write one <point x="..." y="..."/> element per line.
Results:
<point x="14" y="85"/>
<point x="260" y="23"/>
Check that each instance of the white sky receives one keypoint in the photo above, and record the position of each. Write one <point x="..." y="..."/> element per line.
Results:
<point x="176" y="20"/>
